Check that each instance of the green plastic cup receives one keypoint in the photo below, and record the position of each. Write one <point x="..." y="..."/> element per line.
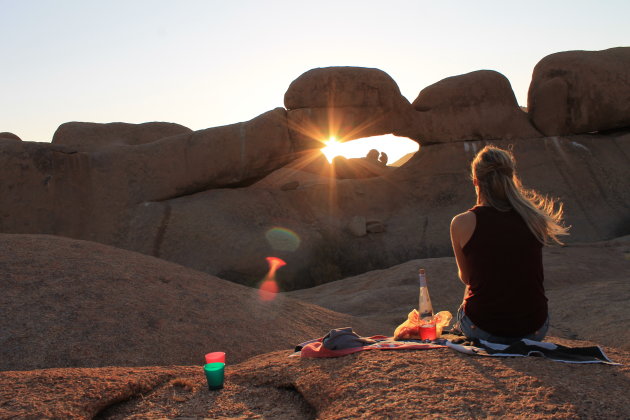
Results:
<point x="214" y="375"/>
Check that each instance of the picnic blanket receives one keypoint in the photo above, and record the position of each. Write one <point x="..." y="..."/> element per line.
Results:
<point x="343" y="341"/>
<point x="315" y="348"/>
<point x="525" y="347"/>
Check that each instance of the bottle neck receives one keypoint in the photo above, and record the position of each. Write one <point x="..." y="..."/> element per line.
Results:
<point x="422" y="280"/>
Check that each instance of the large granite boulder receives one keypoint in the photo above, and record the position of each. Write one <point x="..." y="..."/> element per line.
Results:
<point x="474" y="106"/>
<point x="50" y="188"/>
<point x="576" y="92"/>
<point x="225" y="232"/>
<point x="87" y="135"/>
<point x="345" y="102"/>
<point x="9" y="136"/>
<point x="342" y="86"/>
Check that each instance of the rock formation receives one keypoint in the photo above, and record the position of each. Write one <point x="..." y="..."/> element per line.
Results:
<point x="9" y="136"/>
<point x="60" y="190"/>
<point x="87" y="136"/>
<point x="207" y="199"/>
<point x="415" y="202"/>
<point x="69" y="303"/>
<point x="345" y="102"/>
<point x="474" y="106"/>
<point x="438" y="383"/>
<point x="575" y="92"/>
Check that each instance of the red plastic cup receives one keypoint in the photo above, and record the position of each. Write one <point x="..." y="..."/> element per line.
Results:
<point x="427" y="331"/>
<point x="215" y="357"/>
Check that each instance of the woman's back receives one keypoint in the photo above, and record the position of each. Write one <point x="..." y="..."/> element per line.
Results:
<point x="505" y="273"/>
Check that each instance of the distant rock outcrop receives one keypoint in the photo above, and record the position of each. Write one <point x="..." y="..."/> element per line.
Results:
<point x="88" y="135"/>
<point x="345" y="102"/>
<point x="9" y="136"/>
<point x="475" y="106"/>
<point x="575" y="92"/>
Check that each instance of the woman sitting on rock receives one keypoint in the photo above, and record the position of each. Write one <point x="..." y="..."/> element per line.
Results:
<point x="498" y="249"/>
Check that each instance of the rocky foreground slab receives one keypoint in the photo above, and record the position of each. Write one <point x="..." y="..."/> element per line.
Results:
<point x="587" y="286"/>
<point x="70" y="303"/>
<point x="377" y="384"/>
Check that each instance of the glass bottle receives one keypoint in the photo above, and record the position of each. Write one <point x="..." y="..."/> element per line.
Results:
<point x="425" y="308"/>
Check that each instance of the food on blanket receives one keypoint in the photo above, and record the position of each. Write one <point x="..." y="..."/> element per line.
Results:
<point x="424" y="302"/>
<point x="410" y="329"/>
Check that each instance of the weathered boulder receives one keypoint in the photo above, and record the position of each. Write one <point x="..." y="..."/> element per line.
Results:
<point x="163" y="199"/>
<point x="333" y="87"/>
<point x="474" y="106"/>
<point x="49" y="188"/>
<point x="45" y="188"/>
<point x="223" y="231"/>
<point x="228" y="156"/>
<point x="575" y="92"/>
<point x="88" y="135"/>
<point x="345" y="102"/>
<point x="79" y="303"/>
<point x="9" y="136"/>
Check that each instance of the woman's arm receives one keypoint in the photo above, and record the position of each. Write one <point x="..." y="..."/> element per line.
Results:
<point x="462" y="228"/>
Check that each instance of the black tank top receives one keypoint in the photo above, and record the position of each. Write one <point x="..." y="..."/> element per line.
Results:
<point x="504" y="259"/>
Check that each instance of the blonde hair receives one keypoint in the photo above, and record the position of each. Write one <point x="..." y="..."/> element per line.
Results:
<point x="495" y="172"/>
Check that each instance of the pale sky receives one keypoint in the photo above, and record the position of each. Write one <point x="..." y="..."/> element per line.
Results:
<point x="209" y="63"/>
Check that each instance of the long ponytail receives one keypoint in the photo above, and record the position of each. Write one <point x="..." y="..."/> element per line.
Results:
<point x="495" y="172"/>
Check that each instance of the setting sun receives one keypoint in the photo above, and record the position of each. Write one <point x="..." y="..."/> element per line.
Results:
<point x="333" y="148"/>
<point x="395" y="147"/>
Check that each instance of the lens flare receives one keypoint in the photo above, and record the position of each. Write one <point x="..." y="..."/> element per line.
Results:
<point x="333" y="148"/>
<point x="269" y="287"/>
<point x="283" y="239"/>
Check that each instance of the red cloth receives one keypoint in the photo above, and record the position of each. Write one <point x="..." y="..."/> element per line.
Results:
<point x="504" y="260"/>
<point x="316" y="349"/>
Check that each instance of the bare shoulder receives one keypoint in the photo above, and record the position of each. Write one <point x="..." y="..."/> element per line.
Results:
<point x="462" y="227"/>
<point x="464" y="220"/>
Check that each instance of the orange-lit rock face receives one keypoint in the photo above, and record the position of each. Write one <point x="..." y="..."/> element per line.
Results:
<point x="575" y="92"/>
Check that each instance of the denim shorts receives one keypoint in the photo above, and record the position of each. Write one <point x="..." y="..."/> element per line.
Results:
<point x="470" y="330"/>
